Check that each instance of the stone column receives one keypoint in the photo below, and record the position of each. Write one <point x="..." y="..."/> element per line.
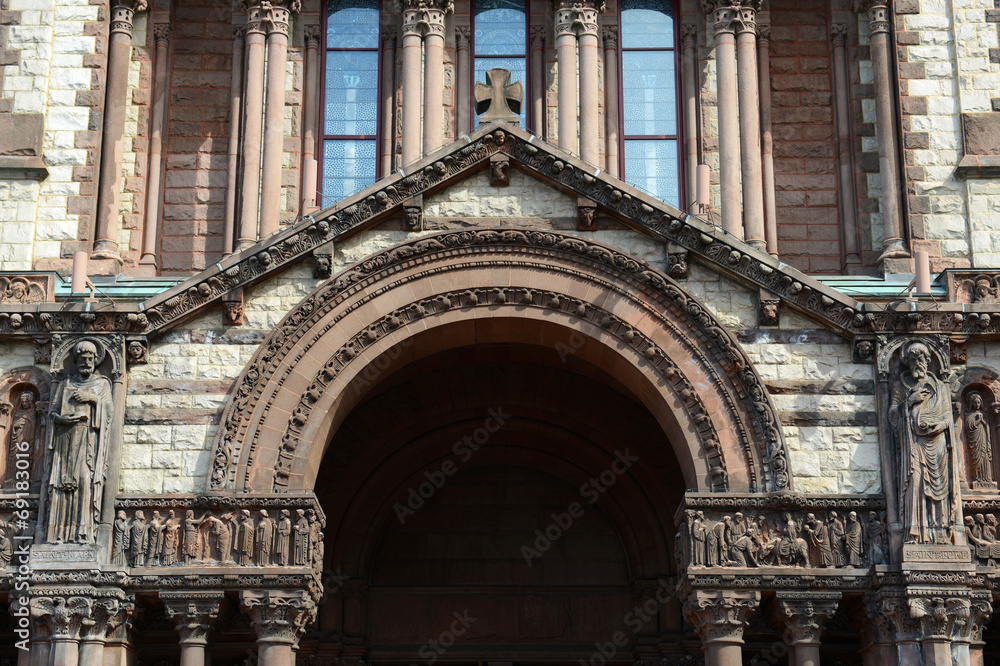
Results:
<point x="980" y="612"/>
<point x="434" y="14"/>
<point x="276" y="19"/>
<point x="719" y="617"/>
<point x="875" y="632"/>
<point x="537" y="80"/>
<point x="940" y="618"/>
<point x="388" y="95"/>
<point x="310" y="118"/>
<point x="804" y="615"/>
<point x="689" y="81"/>
<point x="590" y="142"/>
<point x="193" y="613"/>
<point x="463" y="33"/>
<point x="845" y="153"/>
<point x="154" y="171"/>
<point x="566" y="64"/>
<point x="41" y="636"/>
<point x="412" y="40"/>
<point x="235" y="106"/>
<point x="753" y="183"/>
<point x="118" y="648"/>
<point x="725" y="14"/>
<point x="905" y="627"/>
<point x="766" y="137"/>
<point x="253" y="127"/>
<point x="879" y="26"/>
<point x="65" y="616"/>
<point x="109" y="183"/>
<point x="610" y="34"/>
<point x="279" y="618"/>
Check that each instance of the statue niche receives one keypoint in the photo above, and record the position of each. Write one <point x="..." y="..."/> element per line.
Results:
<point x="921" y="421"/>
<point x="976" y="397"/>
<point x="24" y="395"/>
<point x="81" y="416"/>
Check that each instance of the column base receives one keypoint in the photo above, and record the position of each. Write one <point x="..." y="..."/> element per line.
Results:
<point x="106" y="250"/>
<point x="893" y="249"/>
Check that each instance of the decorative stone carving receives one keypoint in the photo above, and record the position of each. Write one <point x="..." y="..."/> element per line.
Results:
<point x="423" y="17"/>
<point x="30" y="288"/>
<point x="804" y="615"/>
<point x="677" y="263"/>
<point x="769" y="311"/>
<point x="21" y="428"/>
<point x="64" y="615"/>
<point x="232" y="308"/>
<point x="43" y="350"/>
<point x="586" y="215"/>
<point x="414" y="215"/>
<point x="959" y="351"/>
<point x="720" y="616"/>
<point x="193" y="613"/>
<point x="279" y="617"/>
<point x="576" y="17"/>
<point x="82" y="414"/>
<point x="499" y="171"/>
<point x="920" y="417"/>
<point x="138" y="352"/>
<point x="498" y="99"/>
<point x="323" y="261"/>
<point x="979" y="438"/>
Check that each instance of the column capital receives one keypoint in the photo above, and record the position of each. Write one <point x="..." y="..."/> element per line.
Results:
<point x="106" y="614"/>
<point x="463" y="36"/>
<point x="576" y="17"/>
<point x="279" y="616"/>
<point x="609" y="33"/>
<point x="425" y="17"/>
<point x="720" y="616"/>
<point x="939" y="616"/>
<point x="64" y="615"/>
<point x="537" y="35"/>
<point x="763" y="34"/>
<point x="161" y="34"/>
<point x="980" y="612"/>
<point x="879" y="14"/>
<point x="239" y="34"/>
<point x="122" y="14"/>
<point x="689" y="35"/>
<point x="270" y="17"/>
<point x="193" y="613"/>
<point x="311" y="35"/>
<point x="804" y="615"/>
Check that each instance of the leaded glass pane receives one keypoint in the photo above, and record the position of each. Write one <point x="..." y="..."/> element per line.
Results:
<point x="518" y="69"/>
<point x="352" y="24"/>
<point x="351" y="92"/>
<point x="500" y="27"/>
<point x="647" y="24"/>
<point x="651" y="166"/>
<point x="348" y="166"/>
<point x="649" y="105"/>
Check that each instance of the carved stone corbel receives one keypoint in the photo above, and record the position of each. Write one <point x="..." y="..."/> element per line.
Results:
<point x="413" y="210"/>
<point x="323" y="261"/>
<point x="770" y="309"/>
<point x="138" y="351"/>
<point x="500" y="170"/>
<point x="677" y="261"/>
<point x="959" y="353"/>
<point x="586" y="214"/>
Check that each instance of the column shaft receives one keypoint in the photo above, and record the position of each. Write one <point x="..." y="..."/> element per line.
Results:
<point x="767" y="138"/>
<point x="753" y="184"/>
<point x="537" y="80"/>
<point x="719" y="654"/>
<point x="235" y="122"/>
<point x="805" y="655"/>
<point x="566" y="54"/>
<point x="274" y="127"/>
<point x="611" y="98"/>
<point x="729" y="145"/>
<point x="192" y="653"/>
<point x="91" y="652"/>
<point x="109" y="184"/>
<point x="845" y="166"/>
<point x="462" y="97"/>
<point x="590" y="142"/>
<point x="689" y="75"/>
<point x="253" y="128"/>
<point x="154" y="171"/>
<point x="388" y="101"/>
<point x="65" y="652"/>
<point x="40" y="652"/>
<point x="411" y="94"/>
<point x="274" y="654"/>
<point x="433" y="90"/>
<point x="310" y="119"/>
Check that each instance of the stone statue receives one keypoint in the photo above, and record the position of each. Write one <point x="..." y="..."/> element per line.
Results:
<point x="154" y="540"/>
<point x="137" y="539"/>
<point x="699" y="534"/>
<point x="245" y="541"/>
<point x="837" y="538"/>
<point x="119" y="540"/>
<point x="852" y="540"/>
<point x="265" y="540"/>
<point x="980" y="447"/>
<point x="921" y="418"/>
<point x="875" y="539"/>
<point x="283" y="538"/>
<point x="315" y="540"/>
<point x="170" y="536"/>
<point x="222" y="530"/>
<point x="819" y="536"/>
<point x="300" y="543"/>
<point x="23" y="428"/>
<point x="191" y="525"/>
<point x="82" y="412"/>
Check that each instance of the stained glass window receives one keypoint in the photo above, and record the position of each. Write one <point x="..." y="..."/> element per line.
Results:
<point x="651" y="155"/>
<point x="350" y="99"/>
<point x="500" y="40"/>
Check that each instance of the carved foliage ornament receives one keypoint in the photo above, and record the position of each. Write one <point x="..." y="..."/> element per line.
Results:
<point x="720" y="616"/>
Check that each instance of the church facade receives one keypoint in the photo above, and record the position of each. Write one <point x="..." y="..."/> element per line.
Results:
<point x="503" y="332"/>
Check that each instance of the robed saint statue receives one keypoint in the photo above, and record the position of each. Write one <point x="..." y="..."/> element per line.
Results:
<point x="82" y="411"/>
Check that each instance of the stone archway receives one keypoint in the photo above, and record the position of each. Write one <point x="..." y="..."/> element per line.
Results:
<point x="638" y="323"/>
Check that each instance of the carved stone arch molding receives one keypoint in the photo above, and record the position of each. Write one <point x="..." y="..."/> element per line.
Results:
<point x="24" y="399"/>
<point x="677" y="359"/>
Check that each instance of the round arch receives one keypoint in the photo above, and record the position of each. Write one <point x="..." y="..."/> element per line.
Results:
<point x="461" y="288"/>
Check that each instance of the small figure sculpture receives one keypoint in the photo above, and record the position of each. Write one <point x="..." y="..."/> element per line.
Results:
<point x="265" y="540"/>
<point x="283" y="539"/>
<point x="223" y="531"/>
<point x="852" y="540"/>
<point x="980" y="447"/>
<point x="819" y="536"/>
<point x="154" y="540"/>
<point x="315" y="540"/>
<point x="698" y="535"/>
<point x="170" y="536"/>
<point x="837" y="535"/>
<point x="300" y="544"/>
<point x="119" y="541"/>
<point x="6" y="545"/>
<point x="875" y="539"/>
<point x="246" y="538"/>
<point x="191" y="526"/>
<point x="137" y="538"/>
<point x="23" y="427"/>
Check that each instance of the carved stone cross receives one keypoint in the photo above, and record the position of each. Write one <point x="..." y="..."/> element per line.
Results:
<point x="501" y="99"/>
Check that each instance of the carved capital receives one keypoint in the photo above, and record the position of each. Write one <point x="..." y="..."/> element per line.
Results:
<point x="537" y="37"/>
<point x="161" y="34"/>
<point x="720" y="616"/>
<point x="120" y="623"/>
<point x="763" y="35"/>
<point x="940" y="617"/>
<point x="425" y="17"/>
<point x="804" y="615"/>
<point x="64" y="615"/>
<point x="609" y="34"/>
<point x="463" y="35"/>
<point x="689" y="35"/>
<point x="577" y="18"/>
<point x="980" y="612"/>
<point x="311" y="34"/>
<point x="193" y="613"/>
<point x="279" y="616"/>
<point x="105" y="613"/>
<point x="838" y="34"/>
<point x="122" y="16"/>
<point x="879" y="14"/>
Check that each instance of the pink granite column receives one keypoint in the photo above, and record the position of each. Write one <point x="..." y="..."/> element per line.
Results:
<point x="845" y="153"/>
<point x="253" y="126"/>
<point x="566" y="63"/>
<point x="719" y="618"/>
<point x="724" y="15"/>
<point x="310" y="119"/>
<point x="388" y="95"/>
<point x="767" y="137"/>
<point x="689" y="80"/>
<point x="750" y="155"/>
<point x="154" y="170"/>
<point x="235" y="122"/>
<point x="434" y="78"/>
<point x="537" y="80"/>
<point x="610" y="34"/>
<point x="412" y="41"/>
<point x="463" y="100"/>
<point x="193" y="613"/>
<point x="109" y="183"/>
<point x="276" y="19"/>
<point x="879" y="26"/>
<point x="589" y="44"/>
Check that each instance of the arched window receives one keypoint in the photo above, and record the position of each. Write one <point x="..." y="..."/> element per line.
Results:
<point x="651" y="152"/>
<point x="500" y="39"/>
<point x="350" y="90"/>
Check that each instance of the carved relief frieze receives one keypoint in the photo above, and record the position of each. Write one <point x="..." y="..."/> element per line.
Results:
<point x="27" y="288"/>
